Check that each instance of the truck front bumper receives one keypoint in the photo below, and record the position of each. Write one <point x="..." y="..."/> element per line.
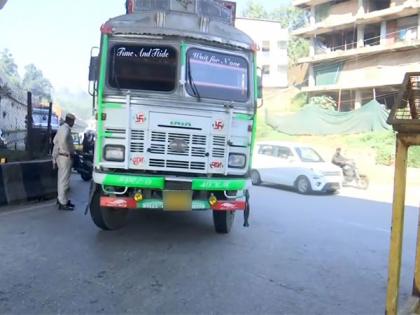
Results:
<point x="158" y="183"/>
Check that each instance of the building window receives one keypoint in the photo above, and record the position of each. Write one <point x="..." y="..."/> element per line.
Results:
<point x="282" y="68"/>
<point x="375" y="5"/>
<point x="327" y="74"/>
<point x="282" y="45"/>
<point x="372" y="35"/>
<point x="265" y="46"/>
<point x="266" y="69"/>
<point x="4" y="114"/>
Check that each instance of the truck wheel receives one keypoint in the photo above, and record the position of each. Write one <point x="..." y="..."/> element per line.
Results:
<point x="108" y="219"/>
<point x="223" y="221"/>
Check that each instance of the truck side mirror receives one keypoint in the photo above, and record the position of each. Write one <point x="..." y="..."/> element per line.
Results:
<point x="94" y="69"/>
<point x="259" y="87"/>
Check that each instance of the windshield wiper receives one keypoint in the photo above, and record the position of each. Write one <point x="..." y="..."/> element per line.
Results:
<point x="191" y="82"/>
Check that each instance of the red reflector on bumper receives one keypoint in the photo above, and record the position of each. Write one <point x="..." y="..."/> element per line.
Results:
<point x="117" y="202"/>
<point x="229" y="205"/>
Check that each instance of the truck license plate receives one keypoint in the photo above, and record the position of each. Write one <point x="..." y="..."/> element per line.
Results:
<point x="176" y="200"/>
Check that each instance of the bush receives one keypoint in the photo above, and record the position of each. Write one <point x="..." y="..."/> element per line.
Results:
<point x="414" y="157"/>
<point x="325" y="102"/>
<point x="298" y="101"/>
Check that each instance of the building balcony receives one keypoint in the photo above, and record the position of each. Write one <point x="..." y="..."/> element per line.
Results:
<point x="341" y="87"/>
<point x="385" y="69"/>
<point x="362" y="51"/>
<point x="339" y="22"/>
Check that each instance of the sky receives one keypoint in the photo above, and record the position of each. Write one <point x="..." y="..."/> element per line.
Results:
<point x="57" y="35"/>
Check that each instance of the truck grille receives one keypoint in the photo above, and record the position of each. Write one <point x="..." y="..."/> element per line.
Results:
<point x="195" y="156"/>
<point x="137" y="141"/>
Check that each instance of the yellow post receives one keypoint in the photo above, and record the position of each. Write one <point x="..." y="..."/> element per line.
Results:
<point x="416" y="282"/>
<point x="397" y="226"/>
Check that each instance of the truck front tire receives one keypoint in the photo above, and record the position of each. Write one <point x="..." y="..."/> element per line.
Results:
<point x="108" y="219"/>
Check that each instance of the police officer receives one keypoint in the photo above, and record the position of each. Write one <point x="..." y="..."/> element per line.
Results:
<point x="63" y="154"/>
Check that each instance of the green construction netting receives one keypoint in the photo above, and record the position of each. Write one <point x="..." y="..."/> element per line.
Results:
<point x="313" y="120"/>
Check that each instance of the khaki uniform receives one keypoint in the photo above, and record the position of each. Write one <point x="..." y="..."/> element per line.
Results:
<point x="62" y="157"/>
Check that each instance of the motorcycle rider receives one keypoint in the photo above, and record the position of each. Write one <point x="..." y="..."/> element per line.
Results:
<point x="89" y="142"/>
<point x="347" y="165"/>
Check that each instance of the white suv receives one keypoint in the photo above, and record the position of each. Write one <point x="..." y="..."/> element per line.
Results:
<point x="294" y="165"/>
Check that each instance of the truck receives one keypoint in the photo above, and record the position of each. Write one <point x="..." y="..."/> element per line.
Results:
<point x="175" y="94"/>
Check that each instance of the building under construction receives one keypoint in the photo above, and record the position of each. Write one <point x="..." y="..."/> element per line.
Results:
<point x="360" y="49"/>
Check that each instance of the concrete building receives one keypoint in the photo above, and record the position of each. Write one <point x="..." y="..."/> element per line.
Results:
<point x="360" y="49"/>
<point x="272" y="56"/>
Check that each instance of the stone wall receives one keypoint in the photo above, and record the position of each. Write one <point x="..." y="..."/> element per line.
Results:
<point x="12" y="113"/>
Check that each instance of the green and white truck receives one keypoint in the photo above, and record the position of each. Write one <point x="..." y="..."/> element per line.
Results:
<point x="175" y="93"/>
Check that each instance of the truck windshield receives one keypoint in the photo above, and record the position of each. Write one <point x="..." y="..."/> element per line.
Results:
<point x="217" y="75"/>
<point x="143" y="67"/>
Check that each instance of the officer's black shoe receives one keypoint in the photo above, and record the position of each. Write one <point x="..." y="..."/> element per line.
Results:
<point x="65" y="207"/>
<point x="70" y="204"/>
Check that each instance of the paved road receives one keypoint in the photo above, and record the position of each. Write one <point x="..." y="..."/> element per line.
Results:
<point x="301" y="255"/>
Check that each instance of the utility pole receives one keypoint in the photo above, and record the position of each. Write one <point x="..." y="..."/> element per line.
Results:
<point x="29" y="122"/>
<point x="49" y="128"/>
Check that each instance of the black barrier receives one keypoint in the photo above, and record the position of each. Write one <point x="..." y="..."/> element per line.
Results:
<point x="49" y="180"/>
<point x="31" y="177"/>
<point x="25" y="181"/>
<point x="13" y="182"/>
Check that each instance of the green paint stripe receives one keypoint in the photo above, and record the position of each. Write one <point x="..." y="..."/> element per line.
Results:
<point x="243" y="117"/>
<point x="183" y="54"/>
<point x="112" y="106"/>
<point x="134" y="181"/>
<point x="254" y="126"/>
<point x="101" y="88"/>
<point x="218" y="184"/>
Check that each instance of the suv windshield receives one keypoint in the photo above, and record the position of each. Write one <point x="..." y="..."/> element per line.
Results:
<point x="143" y="67"/>
<point x="217" y="75"/>
<point x="309" y="155"/>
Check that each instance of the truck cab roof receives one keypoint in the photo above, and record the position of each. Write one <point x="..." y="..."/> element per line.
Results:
<point x="192" y="22"/>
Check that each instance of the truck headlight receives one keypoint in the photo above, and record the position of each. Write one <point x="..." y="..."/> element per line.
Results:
<point x="114" y="153"/>
<point x="237" y="160"/>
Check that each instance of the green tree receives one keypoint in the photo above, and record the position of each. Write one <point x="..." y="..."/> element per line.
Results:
<point x="292" y="19"/>
<point x="8" y="67"/>
<point x="35" y="82"/>
<point x="254" y="10"/>
<point x="298" y="48"/>
<point x="289" y="17"/>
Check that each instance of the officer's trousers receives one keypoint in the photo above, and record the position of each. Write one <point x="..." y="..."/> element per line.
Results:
<point x="64" y="165"/>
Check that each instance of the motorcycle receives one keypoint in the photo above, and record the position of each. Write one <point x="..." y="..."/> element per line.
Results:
<point x="83" y="164"/>
<point x="353" y="178"/>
